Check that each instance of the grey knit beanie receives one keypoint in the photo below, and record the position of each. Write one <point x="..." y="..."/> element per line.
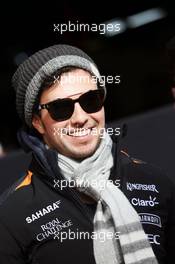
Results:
<point x="30" y="75"/>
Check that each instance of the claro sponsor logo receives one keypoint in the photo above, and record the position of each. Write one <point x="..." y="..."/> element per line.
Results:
<point x="46" y="210"/>
<point x="141" y="187"/>
<point x="151" y="219"/>
<point x="139" y="202"/>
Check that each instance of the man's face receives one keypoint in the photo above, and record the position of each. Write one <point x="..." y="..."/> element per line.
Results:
<point x="76" y="144"/>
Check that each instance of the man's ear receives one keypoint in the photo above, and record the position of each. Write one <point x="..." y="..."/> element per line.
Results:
<point x="37" y="124"/>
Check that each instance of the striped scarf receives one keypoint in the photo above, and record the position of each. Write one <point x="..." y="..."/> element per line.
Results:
<point x="115" y="218"/>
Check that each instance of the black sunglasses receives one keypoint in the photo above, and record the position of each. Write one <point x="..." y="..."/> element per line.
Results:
<point x="62" y="109"/>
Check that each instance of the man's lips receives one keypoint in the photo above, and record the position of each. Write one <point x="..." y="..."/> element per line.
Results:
<point x="81" y="132"/>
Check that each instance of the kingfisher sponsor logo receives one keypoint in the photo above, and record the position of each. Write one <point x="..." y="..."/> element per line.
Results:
<point x="141" y="187"/>
<point x="151" y="219"/>
<point x="46" y="210"/>
<point x="139" y="202"/>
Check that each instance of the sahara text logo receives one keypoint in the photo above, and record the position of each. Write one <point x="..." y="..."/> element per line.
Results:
<point x="46" y="210"/>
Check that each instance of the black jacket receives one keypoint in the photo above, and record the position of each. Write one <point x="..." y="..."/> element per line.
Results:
<point x="41" y="223"/>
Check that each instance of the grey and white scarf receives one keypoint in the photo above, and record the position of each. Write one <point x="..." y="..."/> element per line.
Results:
<point x="114" y="213"/>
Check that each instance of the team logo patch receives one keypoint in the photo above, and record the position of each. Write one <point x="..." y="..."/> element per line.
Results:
<point x="151" y="219"/>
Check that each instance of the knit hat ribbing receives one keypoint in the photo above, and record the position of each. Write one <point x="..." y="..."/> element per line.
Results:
<point x="30" y="75"/>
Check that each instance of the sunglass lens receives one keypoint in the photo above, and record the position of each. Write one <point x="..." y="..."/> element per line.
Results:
<point x="92" y="101"/>
<point x="61" y="109"/>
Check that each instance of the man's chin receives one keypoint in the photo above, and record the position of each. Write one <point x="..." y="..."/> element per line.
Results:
<point x="82" y="155"/>
<point x="84" y="151"/>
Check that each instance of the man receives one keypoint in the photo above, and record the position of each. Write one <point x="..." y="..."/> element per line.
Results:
<point x="69" y="206"/>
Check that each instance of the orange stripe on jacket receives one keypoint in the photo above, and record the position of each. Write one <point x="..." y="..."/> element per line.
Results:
<point x="26" y="181"/>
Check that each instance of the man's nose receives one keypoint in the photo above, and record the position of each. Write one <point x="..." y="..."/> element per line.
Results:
<point x="79" y="116"/>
